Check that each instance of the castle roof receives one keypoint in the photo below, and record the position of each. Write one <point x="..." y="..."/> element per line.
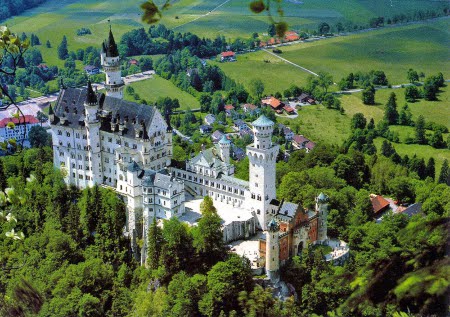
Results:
<point x="262" y="121"/>
<point x="91" y="97"/>
<point x="131" y="116"/>
<point x="322" y="197"/>
<point x="224" y="140"/>
<point x="273" y="226"/>
<point x="110" y="47"/>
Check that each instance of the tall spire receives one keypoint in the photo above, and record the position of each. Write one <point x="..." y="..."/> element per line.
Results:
<point x="111" y="46"/>
<point x="91" y="97"/>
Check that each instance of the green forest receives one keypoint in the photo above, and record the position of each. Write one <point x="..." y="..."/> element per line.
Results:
<point x="68" y="256"/>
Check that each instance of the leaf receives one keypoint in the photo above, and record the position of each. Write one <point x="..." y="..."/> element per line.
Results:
<point x="151" y="12"/>
<point x="10" y="217"/>
<point x="281" y="28"/>
<point x="10" y="234"/>
<point x="257" y="6"/>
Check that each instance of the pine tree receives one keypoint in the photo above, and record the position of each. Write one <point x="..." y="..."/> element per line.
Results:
<point x="390" y="112"/>
<point x="420" y="130"/>
<point x="444" y="177"/>
<point x="48" y="44"/>
<point x="371" y="124"/>
<point x="421" y="169"/>
<point x="368" y="95"/>
<point x="3" y="183"/>
<point x="436" y="140"/>
<point x="430" y="170"/>
<point x="154" y="244"/>
<point x="405" y="116"/>
<point x="63" y="53"/>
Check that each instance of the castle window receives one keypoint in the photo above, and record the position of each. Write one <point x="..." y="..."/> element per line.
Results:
<point x="68" y="134"/>
<point x="134" y="146"/>
<point x="256" y="184"/>
<point x="258" y="212"/>
<point x="253" y="197"/>
<point x="59" y="132"/>
<point x="109" y="139"/>
<point x="85" y="137"/>
<point x="77" y="135"/>
<point x="259" y="197"/>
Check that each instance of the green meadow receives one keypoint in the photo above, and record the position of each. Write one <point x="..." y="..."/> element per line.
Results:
<point x="421" y="46"/>
<point x="234" y="19"/>
<point x="436" y="111"/>
<point x="156" y="87"/>
<point x="273" y="72"/>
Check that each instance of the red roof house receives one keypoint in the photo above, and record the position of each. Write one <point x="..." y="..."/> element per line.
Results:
<point x="273" y="102"/>
<point x="228" y="56"/>
<point x="379" y="204"/>
<point x="229" y="107"/>
<point x="289" y="109"/>
<point x="28" y="120"/>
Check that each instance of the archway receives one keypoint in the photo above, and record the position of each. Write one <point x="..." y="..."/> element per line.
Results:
<point x="300" y="248"/>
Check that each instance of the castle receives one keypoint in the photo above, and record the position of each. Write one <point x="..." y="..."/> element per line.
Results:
<point x="102" y="139"/>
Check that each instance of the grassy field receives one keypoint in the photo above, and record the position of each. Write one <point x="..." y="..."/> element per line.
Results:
<point x="422" y="151"/>
<point x="436" y="111"/>
<point x="421" y="46"/>
<point x="56" y="18"/>
<point x="320" y="124"/>
<point x="274" y="73"/>
<point x="234" y="19"/>
<point x="157" y="87"/>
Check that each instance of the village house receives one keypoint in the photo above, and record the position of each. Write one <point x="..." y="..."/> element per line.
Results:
<point x="229" y="110"/>
<point x="22" y="126"/>
<point x="133" y="62"/>
<point x="205" y="129"/>
<point x="250" y="108"/>
<point x="91" y="70"/>
<point x="238" y="123"/>
<point x="216" y="136"/>
<point x="305" y="98"/>
<point x="274" y="103"/>
<point x="301" y="143"/>
<point x="379" y="204"/>
<point x="210" y="119"/>
<point x="227" y="56"/>
<point x="291" y="36"/>
<point x="288" y="133"/>
<point x="237" y="153"/>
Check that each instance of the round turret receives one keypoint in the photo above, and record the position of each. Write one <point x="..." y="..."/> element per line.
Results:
<point x="273" y="226"/>
<point x="263" y="129"/>
<point x="273" y="251"/>
<point x="224" y="148"/>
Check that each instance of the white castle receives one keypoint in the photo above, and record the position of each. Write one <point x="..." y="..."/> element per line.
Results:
<point x="102" y="139"/>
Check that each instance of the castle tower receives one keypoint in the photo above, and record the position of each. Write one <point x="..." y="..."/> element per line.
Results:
<point x="92" y="124"/>
<point x="262" y="156"/>
<point x="273" y="251"/>
<point x="224" y="147"/>
<point x="322" y="209"/>
<point x="111" y="65"/>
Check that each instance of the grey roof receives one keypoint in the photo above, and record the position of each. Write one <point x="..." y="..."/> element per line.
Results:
<point x="288" y="209"/>
<point x="262" y="121"/>
<point x="133" y="167"/>
<point x="412" y="210"/>
<point x="217" y="135"/>
<point x="234" y="180"/>
<point x="273" y="226"/>
<point x="115" y="115"/>
<point x="163" y="180"/>
<point x="322" y="197"/>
